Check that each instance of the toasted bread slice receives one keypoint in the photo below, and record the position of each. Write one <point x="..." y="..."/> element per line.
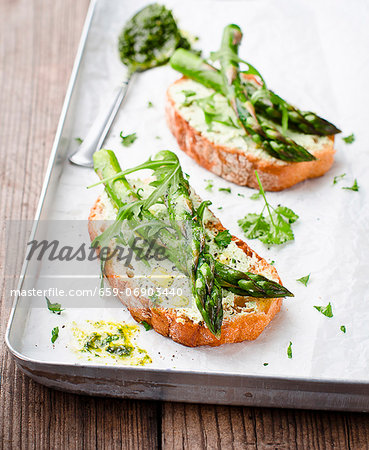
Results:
<point x="229" y="152"/>
<point x="244" y="317"/>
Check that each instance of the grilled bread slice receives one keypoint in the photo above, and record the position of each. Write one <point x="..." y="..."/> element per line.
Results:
<point x="227" y="151"/>
<point x="244" y="317"/>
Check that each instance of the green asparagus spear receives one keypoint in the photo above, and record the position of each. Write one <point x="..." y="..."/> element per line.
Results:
<point x="205" y="289"/>
<point x="248" y="284"/>
<point x="265" y="101"/>
<point x="273" y="107"/>
<point x="262" y="133"/>
<point x="208" y="294"/>
<point x="194" y="67"/>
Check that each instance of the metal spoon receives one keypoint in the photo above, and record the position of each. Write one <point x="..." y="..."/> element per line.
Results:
<point x="147" y="40"/>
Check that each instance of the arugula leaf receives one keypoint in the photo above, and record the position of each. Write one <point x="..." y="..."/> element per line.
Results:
<point x="168" y="176"/>
<point x="129" y="139"/>
<point x="343" y="328"/>
<point x="275" y="228"/>
<point x="223" y="238"/>
<point x="354" y="187"/>
<point x="304" y="280"/>
<point x="289" y="350"/>
<point x="102" y="275"/>
<point x="146" y="325"/>
<point x="228" y="190"/>
<point x="79" y="140"/>
<point x="150" y="104"/>
<point x="325" y="310"/>
<point x="54" y="334"/>
<point x="349" y="139"/>
<point x="338" y="178"/>
<point x="54" y="307"/>
<point x="113" y="231"/>
<point x="255" y="196"/>
<point x="209" y="185"/>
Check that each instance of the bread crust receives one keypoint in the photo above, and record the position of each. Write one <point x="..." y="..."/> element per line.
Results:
<point x="237" y="328"/>
<point x="239" y="167"/>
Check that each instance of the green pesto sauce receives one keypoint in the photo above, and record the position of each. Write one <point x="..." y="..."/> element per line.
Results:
<point x="150" y="38"/>
<point x="110" y="340"/>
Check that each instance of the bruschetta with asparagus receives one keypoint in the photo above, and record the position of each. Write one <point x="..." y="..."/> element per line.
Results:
<point x="232" y="293"/>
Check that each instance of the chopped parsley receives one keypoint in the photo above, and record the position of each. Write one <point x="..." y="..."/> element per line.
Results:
<point x="241" y="195"/>
<point x="289" y="350"/>
<point x="223" y="238"/>
<point x="255" y="196"/>
<point x="54" y="334"/>
<point x="212" y="111"/>
<point x="78" y="140"/>
<point x="220" y="207"/>
<point x="157" y="137"/>
<point x="338" y="178"/>
<point x="209" y="185"/>
<point x="354" y="187"/>
<point x="325" y="310"/>
<point x="150" y="104"/>
<point x="54" y="307"/>
<point x="146" y="325"/>
<point x="349" y="139"/>
<point x="265" y="364"/>
<point x="129" y="139"/>
<point x="274" y="228"/>
<point x="343" y="328"/>
<point x="304" y="280"/>
<point x="188" y="94"/>
<point x="228" y="190"/>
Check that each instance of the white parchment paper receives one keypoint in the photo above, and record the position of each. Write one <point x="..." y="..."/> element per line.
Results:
<point x="313" y="54"/>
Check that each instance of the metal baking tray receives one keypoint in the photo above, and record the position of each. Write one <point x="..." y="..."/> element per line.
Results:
<point x="233" y="374"/>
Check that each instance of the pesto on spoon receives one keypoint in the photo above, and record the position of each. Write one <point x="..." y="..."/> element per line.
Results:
<point x="147" y="40"/>
<point x="150" y="38"/>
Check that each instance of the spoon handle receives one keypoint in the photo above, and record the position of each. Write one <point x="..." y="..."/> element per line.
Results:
<point x="99" y="129"/>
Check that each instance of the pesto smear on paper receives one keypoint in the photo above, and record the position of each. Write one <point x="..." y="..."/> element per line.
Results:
<point x="102" y="341"/>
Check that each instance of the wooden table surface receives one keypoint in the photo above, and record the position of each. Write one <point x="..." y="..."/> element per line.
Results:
<point x="38" y="43"/>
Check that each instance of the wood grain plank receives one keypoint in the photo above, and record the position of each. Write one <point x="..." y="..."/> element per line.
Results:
<point x="216" y="427"/>
<point x="357" y="429"/>
<point x="207" y="426"/>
